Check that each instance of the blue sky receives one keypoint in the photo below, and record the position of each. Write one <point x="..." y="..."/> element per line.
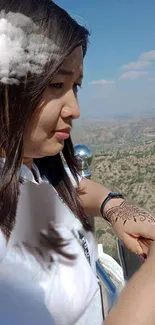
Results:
<point x="120" y="63"/>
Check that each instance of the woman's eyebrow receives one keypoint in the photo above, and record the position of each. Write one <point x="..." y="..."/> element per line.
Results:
<point x="67" y="72"/>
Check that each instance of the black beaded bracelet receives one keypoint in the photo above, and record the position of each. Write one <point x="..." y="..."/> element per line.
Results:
<point x="111" y="195"/>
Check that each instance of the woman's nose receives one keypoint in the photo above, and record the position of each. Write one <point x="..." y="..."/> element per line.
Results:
<point x="71" y="108"/>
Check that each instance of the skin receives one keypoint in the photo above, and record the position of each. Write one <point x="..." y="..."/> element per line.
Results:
<point x="56" y="110"/>
<point x="134" y="226"/>
<point x="136" y="303"/>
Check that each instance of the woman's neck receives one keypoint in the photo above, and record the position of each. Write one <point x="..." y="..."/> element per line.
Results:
<point x="28" y="162"/>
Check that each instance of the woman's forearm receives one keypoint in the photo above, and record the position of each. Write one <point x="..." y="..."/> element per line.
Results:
<point x="92" y="195"/>
<point x="136" y="304"/>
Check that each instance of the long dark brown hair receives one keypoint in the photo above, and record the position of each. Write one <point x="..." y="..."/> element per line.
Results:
<point x="18" y="102"/>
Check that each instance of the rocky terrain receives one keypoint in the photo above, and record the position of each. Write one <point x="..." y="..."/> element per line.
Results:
<point x="124" y="160"/>
<point x="114" y="134"/>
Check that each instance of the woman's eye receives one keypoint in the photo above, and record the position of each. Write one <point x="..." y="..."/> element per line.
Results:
<point x="57" y="85"/>
<point x="60" y="86"/>
<point x="76" y="87"/>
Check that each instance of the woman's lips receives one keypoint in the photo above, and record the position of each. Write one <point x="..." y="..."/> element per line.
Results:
<point x="62" y="135"/>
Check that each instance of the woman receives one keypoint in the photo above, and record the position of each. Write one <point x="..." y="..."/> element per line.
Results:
<point x="41" y="69"/>
<point x="44" y="249"/>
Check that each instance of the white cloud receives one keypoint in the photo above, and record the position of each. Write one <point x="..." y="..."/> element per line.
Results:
<point x="102" y="82"/>
<point x="144" y="60"/>
<point x="136" y="65"/>
<point x="132" y="75"/>
<point x="150" y="55"/>
<point x="151" y="79"/>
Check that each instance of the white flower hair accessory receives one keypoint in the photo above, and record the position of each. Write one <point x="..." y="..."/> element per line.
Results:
<point x="22" y="48"/>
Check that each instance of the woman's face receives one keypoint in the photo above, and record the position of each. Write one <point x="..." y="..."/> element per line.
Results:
<point x="51" y="123"/>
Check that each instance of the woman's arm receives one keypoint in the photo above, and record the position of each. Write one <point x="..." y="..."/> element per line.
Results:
<point x="136" y="304"/>
<point x="92" y="194"/>
<point x="129" y="222"/>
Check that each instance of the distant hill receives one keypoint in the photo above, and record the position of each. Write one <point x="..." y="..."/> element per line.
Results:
<point x="114" y="134"/>
<point x="124" y="160"/>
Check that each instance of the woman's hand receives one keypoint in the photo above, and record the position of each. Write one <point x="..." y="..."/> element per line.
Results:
<point x="151" y="251"/>
<point x="133" y="225"/>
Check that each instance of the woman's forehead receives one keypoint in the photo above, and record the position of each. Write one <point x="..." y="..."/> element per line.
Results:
<point x="73" y="63"/>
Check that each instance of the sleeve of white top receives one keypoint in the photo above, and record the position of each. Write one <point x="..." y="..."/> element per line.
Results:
<point x="73" y="180"/>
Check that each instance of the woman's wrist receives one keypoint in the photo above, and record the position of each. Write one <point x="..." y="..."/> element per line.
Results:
<point x="113" y="203"/>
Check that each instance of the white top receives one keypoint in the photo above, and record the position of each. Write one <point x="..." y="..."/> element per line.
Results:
<point x="37" y="290"/>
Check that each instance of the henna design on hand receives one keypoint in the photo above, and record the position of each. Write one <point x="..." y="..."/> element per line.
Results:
<point x="128" y="212"/>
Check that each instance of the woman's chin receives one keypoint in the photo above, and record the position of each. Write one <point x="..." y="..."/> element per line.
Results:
<point x="50" y="148"/>
<point x="53" y="149"/>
